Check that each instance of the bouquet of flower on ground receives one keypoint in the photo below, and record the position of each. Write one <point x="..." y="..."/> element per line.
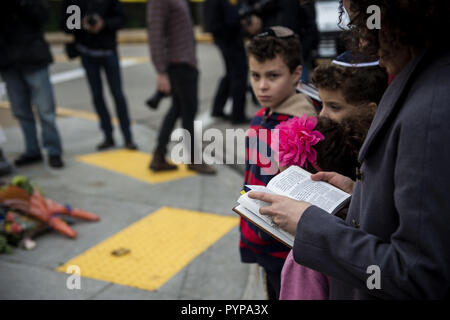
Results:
<point x="23" y="197"/>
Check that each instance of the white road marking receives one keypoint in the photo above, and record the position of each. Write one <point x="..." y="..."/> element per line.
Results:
<point x="79" y="73"/>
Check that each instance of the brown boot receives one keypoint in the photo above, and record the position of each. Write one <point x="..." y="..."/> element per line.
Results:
<point x="202" y="168"/>
<point x="159" y="163"/>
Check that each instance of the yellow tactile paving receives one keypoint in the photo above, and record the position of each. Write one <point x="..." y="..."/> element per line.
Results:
<point x="160" y="245"/>
<point x="133" y="164"/>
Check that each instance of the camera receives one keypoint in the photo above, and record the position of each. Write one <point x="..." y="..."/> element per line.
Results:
<point x="249" y="8"/>
<point x="153" y="101"/>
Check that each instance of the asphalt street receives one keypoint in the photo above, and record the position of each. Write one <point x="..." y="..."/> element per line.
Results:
<point x="128" y="200"/>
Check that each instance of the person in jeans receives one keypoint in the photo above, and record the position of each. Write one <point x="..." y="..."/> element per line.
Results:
<point x="24" y="60"/>
<point x="172" y="47"/>
<point x="97" y="45"/>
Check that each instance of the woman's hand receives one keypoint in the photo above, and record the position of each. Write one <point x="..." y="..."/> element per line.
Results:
<point x="338" y="180"/>
<point x="285" y="212"/>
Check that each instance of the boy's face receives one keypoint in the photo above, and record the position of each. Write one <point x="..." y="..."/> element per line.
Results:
<point x="272" y="82"/>
<point x="335" y="107"/>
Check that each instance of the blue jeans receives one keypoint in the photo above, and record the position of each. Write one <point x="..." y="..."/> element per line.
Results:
<point x="27" y="88"/>
<point x="110" y="64"/>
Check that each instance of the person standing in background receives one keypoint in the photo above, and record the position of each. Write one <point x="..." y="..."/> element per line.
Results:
<point x="172" y="49"/>
<point x="24" y="60"/>
<point x="96" y="43"/>
<point x="222" y="20"/>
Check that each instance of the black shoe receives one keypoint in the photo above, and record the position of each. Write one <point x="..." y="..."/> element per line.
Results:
<point x="108" y="143"/>
<point x="130" y="145"/>
<point x="159" y="163"/>
<point x="244" y="120"/>
<point x="25" y="160"/>
<point x="202" y="168"/>
<point x="55" y="162"/>
<point x="5" y="167"/>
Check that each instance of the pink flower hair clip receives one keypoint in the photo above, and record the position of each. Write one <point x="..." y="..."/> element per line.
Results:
<point x="295" y="140"/>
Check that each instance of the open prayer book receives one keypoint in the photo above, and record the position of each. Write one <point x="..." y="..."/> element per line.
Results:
<point x="294" y="183"/>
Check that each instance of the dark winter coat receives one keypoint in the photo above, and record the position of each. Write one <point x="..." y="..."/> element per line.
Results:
<point x="110" y="11"/>
<point x="22" y="43"/>
<point x="399" y="216"/>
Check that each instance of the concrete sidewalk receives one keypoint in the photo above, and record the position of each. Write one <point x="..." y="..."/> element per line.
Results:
<point x="121" y="201"/>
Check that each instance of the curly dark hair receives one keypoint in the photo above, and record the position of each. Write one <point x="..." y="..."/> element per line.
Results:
<point x="412" y="24"/>
<point x="358" y="85"/>
<point x="267" y="47"/>
<point x="339" y="151"/>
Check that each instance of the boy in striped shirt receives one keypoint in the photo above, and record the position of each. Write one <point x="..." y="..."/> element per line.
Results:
<point x="275" y="65"/>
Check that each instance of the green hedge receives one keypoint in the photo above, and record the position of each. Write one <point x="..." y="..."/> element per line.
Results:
<point x="135" y="12"/>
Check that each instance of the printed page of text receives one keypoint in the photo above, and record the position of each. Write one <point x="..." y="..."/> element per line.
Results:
<point x="296" y="183"/>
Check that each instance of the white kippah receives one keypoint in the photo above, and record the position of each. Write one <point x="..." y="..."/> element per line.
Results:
<point x="357" y="65"/>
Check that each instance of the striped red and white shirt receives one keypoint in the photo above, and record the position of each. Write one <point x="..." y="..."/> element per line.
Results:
<point x="255" y="245"/>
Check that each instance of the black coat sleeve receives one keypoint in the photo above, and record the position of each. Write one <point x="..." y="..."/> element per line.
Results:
<point x="115" y="19"/>
<point x="35" y="12"/>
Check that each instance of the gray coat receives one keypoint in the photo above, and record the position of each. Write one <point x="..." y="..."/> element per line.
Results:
<point x="399" y="216"/>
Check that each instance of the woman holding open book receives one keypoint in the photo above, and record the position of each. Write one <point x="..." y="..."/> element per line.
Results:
<point x="394" y="243"/>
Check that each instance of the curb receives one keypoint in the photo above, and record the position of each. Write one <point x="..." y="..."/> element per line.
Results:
<point x="127" y="36"/>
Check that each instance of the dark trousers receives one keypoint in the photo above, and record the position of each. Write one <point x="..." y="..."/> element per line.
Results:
<point x="110" y="64"/>
<point x="234" y="83"/>
<point x="184" y="91"/>
<point x="273" y="284"/>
